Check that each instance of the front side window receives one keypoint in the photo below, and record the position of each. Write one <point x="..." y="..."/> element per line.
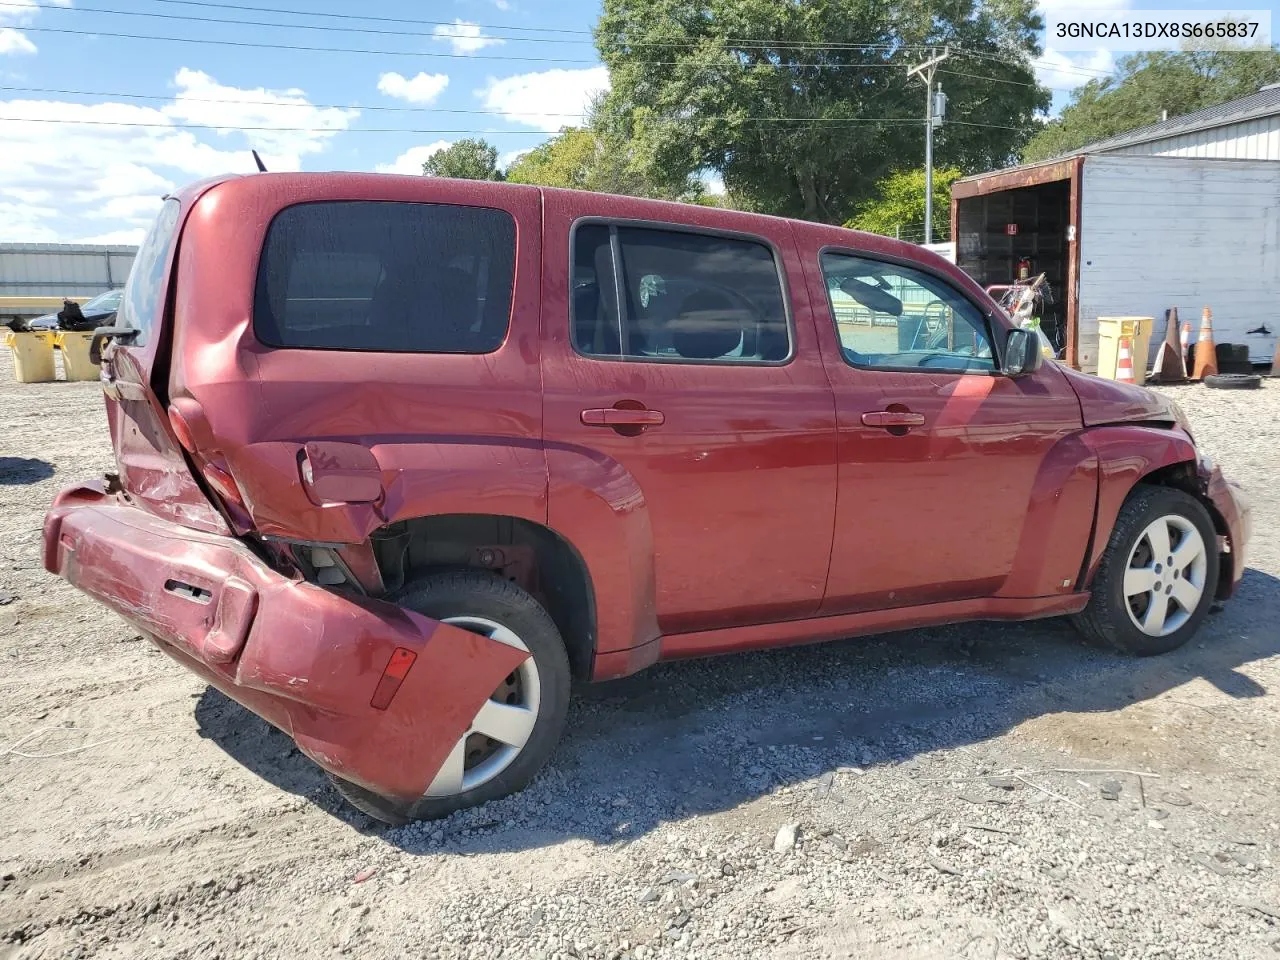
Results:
<point x="896" y="317"/>
<point x="644" y="293"/>
<point x="394" y="277"/>
<point x="144" y="290"/>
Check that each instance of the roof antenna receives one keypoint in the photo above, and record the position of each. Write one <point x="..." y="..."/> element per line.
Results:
<point x="262" y="167"/>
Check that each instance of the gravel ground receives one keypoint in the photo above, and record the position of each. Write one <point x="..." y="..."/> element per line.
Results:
<point x="931" y="795"/>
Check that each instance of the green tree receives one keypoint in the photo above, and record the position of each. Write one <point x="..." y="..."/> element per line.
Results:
<point x="581" y="159"/>
<point x="804" y="107"/>
<point x="898" y="203"/>
<point x="591" y="158"/>
<point x="469" y="159"/>
<point x="1146" y="84"/>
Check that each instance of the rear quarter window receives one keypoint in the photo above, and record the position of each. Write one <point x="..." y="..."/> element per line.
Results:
<point x="386" y="276"/>
<point x="144" y="290"/>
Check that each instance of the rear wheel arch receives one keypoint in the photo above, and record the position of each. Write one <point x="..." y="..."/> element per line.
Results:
<point x="534" y="556"/>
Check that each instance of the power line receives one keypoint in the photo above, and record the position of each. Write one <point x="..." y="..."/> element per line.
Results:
<point x="364" y="16"/>
<point x="231" y="126"/>
<point x="496" y="113"/>
<point x="417" y="53"/>
<point x="416" y="130"/>
<point x="744" y="44"/>
<point x="253" y="44"/>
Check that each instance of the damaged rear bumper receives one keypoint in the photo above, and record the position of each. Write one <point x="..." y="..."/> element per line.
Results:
<point x="306" y="659"/>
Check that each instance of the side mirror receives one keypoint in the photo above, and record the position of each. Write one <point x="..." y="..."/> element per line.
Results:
<point x="1022" y="354"/>
<point x="102" y="334"/>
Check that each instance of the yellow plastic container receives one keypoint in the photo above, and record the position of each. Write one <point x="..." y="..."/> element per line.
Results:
<point x="32" y="356"/>
<point x="1111" y="330"/>
<point x="76" y="364"/>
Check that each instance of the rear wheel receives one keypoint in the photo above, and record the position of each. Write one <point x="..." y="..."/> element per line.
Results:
<point x="1158" y="575"/>
<point x="516" y="730"/>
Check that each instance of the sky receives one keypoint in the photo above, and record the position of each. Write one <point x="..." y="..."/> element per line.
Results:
<point x="107" y="105"/>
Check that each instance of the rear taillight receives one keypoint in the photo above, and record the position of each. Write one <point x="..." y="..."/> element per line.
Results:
<point x="222" y="482"/>
<point x="192" y="431"/>
<point x="181" y="429"/>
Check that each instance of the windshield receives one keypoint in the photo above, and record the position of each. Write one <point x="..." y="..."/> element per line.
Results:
<point x="104" y="302"/>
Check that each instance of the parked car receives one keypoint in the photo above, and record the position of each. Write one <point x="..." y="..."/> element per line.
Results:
<point x="101" y="310"/>
<point x="398" y="457"/>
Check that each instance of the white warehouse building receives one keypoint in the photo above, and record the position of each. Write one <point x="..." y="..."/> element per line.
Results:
<point x="36" y="277"/>
<point x="1183" y="213"/>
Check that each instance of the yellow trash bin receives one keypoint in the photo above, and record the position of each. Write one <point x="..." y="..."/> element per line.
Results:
<point x="1111" y="330"/>
<point x="32" y="356"/>
<point x="76" y="364"/>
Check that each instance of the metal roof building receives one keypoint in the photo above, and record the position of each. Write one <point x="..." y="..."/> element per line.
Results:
<point x="1183" y="213"/>
<point x="35" y="277"/>
<point x="1245" y="129"/>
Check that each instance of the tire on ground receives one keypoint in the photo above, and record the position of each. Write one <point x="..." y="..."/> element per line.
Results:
<point x="482" y="594"/>
<point x="1233" y="381"/>
<point x="1106" y="620"/>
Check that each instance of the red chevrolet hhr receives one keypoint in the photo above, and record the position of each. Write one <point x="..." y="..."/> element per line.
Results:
<point x="398" y="457"/>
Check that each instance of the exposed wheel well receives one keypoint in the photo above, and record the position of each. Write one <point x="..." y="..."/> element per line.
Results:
<point x="1183" y="476"/>
<point x="532" y="555"/>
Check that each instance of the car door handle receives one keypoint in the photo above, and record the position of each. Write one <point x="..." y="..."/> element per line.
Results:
<point x="622" y="417"/>
<point x="892" y="418"/>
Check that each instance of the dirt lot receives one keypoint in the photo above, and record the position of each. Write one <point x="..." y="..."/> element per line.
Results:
<point x="936" y="779"/>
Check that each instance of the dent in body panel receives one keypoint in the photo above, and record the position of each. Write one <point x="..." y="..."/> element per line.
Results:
<point x="597" y="506"/>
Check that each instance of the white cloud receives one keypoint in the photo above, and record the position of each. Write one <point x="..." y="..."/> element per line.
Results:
<point x="281" y="109"/>
<point x="61" y="179"/>
<point x="507" y="159"/>
<point x="424" y="88"/>
<point x="527" y="97"/>
<point x="14" y="41"/>
<point x="20" y="12"/>
<point x="1057" y="70"/>
<point x="503" y="5"/>
<point x="116" y="237"/>
<point x="464" y="37"/>
<point x="410" y="162"/>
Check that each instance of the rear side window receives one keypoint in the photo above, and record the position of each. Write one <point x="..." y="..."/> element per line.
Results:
<point x="393" y="277"/>
<point x="641" y="293"/>
<point x="144" y="289"/>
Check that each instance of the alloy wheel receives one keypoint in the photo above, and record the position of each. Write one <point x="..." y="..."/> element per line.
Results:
<point x="1164" y="579"/>
<point x="501" y="726"/>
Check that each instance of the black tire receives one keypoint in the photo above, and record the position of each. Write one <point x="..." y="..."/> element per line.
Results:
<point x="1106" y="620"/>
<point x="482" y="594"/>
<point x="1233" y="381"/>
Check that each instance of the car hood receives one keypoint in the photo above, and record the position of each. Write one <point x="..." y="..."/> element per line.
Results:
<point x="1107" y="401"/>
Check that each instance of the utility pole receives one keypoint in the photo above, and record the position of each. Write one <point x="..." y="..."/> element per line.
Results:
<point x="932" y="118"/>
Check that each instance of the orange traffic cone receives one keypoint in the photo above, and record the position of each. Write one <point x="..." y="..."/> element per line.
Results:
<point x="1187" y="359"/>
<point x="1206" y="352"/>
<point x="1124" y="362"/>
<point x="1275" y="363"/>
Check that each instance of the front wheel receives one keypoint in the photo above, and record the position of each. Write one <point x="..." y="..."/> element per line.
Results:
<point x="516" y="730"/>
<point x="1158" y="575"/>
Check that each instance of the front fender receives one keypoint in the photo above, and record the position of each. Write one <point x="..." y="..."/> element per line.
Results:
<point x="1127" y="453"/>
<point x="1056" y="523"/>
